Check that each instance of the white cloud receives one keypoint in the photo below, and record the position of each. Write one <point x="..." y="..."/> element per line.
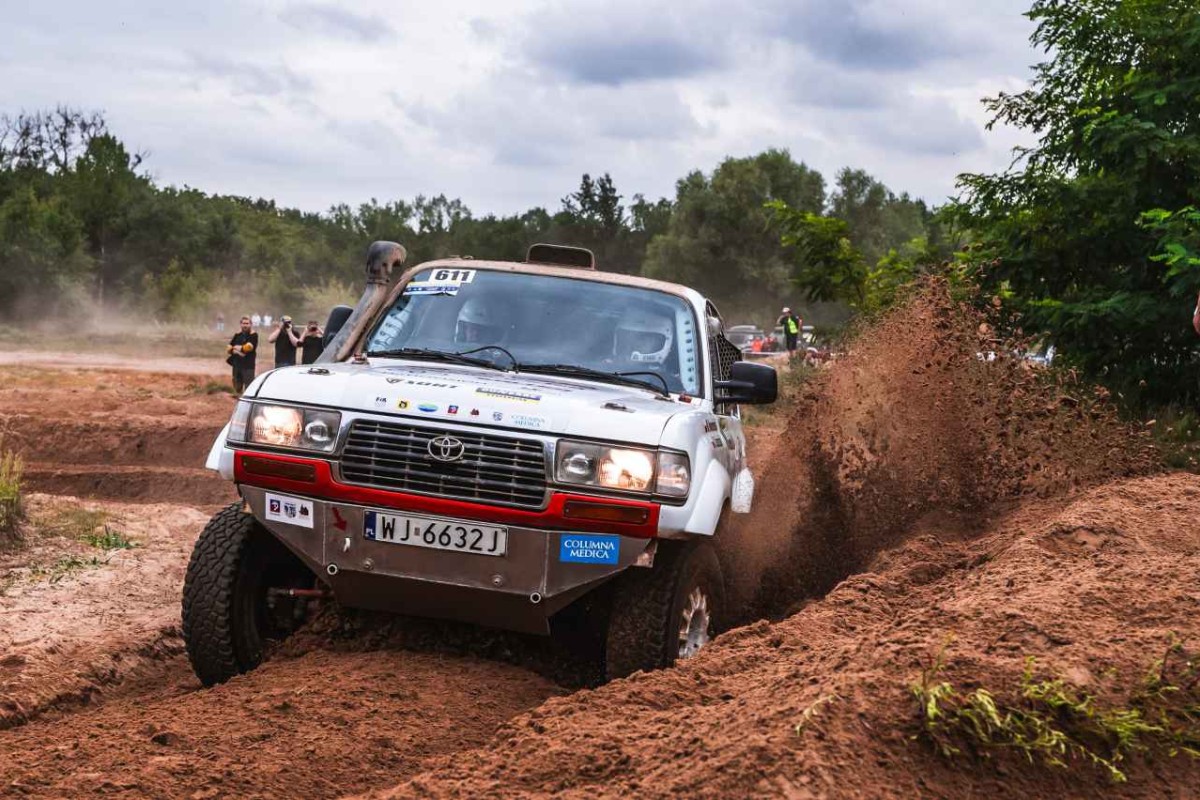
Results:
<point x="506" y="104"/>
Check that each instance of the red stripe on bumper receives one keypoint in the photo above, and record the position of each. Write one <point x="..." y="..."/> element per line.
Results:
<point x="326" y="488"/>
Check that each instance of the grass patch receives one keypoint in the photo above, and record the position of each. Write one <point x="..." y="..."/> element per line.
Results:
<point x="12" y="467"/>
<point x="208" y="388"/>
<point x="1052" y="723"/>
<point x="108" y="538"/>
<point x="91" y="526"/>
<point x="64" y="567"/>
<point x="73" y="523"/>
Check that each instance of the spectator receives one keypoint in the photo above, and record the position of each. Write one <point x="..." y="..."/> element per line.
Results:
<point x="312" y="342"/>
<point x="256" y="320"/>
<point x="791" y="327"/>
<point x="285" y="341"/>
<point x="243" y="348"/>
<point x="267" y="320"/>
<point x="220" y="322"/>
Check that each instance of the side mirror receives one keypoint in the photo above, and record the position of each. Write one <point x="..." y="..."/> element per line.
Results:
<point x="337" y="318"/>
<point x="749" y="384"/>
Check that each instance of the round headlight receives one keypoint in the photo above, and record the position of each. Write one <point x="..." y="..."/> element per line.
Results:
<point x="318" y="432"/>
<point x="578" y="466"/>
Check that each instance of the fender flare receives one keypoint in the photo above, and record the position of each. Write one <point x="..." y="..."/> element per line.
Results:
<point x="712" y="495"/>
<point x="220" y="457"/>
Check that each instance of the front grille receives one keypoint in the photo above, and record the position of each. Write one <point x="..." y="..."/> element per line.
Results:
<point x="493" y="469"/>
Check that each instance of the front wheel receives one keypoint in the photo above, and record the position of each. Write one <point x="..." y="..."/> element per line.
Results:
<point x="666" y="613"/>
<point x="227" y="616"/>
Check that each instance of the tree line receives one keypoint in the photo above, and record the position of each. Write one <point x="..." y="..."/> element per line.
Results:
<point x="82" y="225"/>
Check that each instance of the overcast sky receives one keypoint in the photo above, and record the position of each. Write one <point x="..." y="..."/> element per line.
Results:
<point x="505" y="103"/>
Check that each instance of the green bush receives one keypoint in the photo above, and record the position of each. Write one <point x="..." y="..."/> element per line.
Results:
<point x="11" y="511"/>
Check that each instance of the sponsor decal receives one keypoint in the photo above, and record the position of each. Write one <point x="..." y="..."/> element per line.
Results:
<point x="289" y="510"/>
<point x="428" y="408"/>
<point x="497" y="416"/>
<point x="430" y="288"/>
<point x="589" y="548"/>
<point x="442" y="281"/>
<point x="710" y="426"/>
<point x="528" y="421"/>
<point x="474" y="412"/>
<point x="510" y="394"/>
<point x="452" y="410"/>
<point x="430" y="384"/>
<point x="401" y="404"/>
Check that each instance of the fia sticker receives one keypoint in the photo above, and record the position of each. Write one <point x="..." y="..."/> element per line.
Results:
<point x="289" y="510"/>
<point x="589" y="548"/>
<point x="381" y="402"/>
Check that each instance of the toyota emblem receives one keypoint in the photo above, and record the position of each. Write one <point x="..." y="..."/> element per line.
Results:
<point x="446" y="448"/>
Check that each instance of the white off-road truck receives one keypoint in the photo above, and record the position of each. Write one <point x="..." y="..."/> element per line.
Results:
<point x="494" y="442"/>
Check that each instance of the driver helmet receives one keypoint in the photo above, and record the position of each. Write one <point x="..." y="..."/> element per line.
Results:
<point x="477" y="323"/>
<point x="643" y="338"/>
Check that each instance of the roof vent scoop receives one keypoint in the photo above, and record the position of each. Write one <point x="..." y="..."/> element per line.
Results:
<point x="561" y="255"/>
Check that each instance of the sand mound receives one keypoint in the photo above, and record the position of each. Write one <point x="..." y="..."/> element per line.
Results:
<point x="953" y="487"/>
<point x="927" y="413"/>
<point x="1094" y="588"/>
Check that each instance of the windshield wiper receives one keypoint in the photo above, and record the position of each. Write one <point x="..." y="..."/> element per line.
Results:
<point x="612" y="377"/>
<point x="435" y="355"/>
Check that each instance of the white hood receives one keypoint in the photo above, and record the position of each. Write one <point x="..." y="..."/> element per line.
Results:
<point x="474" y="396"/>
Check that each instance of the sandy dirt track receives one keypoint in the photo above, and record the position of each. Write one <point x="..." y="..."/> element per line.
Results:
<point x="913" y="501"/>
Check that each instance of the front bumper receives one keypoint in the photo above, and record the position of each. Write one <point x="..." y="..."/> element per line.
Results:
<point x="518" y="591"/>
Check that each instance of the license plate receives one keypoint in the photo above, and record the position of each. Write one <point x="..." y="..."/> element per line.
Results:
<point x="437" y="534"/>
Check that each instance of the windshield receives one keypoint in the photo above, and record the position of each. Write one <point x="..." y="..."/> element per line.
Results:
<point x="544" y="319"/>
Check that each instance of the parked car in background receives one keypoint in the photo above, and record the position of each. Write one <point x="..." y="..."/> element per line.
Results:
<point x="743" y="336"/>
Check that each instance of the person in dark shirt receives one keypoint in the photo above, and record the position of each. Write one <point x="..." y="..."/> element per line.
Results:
<point x="312" y="342"/>
<point x="243" y="348"/>
<point x="285" y="341"/>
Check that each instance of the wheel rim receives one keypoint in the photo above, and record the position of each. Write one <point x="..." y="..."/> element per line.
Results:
<point x="695" y="624"/>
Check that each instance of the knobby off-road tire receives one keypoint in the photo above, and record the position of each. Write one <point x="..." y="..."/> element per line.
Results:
<point x="648" y="608"/>
<point x="226" y="621"/>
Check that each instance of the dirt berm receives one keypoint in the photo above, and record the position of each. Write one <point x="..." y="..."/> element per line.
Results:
<point x="959" y="510"/>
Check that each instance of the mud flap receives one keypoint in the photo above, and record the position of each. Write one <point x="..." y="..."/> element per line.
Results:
<point x="742" y="495"/>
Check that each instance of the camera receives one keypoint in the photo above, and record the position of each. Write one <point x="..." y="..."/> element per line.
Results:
<point x="312" y="328"/>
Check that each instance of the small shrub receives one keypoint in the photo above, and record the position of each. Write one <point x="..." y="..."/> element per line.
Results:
<point x="11" y="511"/>
<point x="109" y="538"/>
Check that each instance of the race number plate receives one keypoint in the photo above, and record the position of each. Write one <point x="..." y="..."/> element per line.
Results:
<point x="437" y="534"/>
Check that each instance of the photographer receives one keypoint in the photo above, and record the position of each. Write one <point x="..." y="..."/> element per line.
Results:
<point x="285" y="344"/>
<point x="243" y="350"/>
<point x="312" y="342"/>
